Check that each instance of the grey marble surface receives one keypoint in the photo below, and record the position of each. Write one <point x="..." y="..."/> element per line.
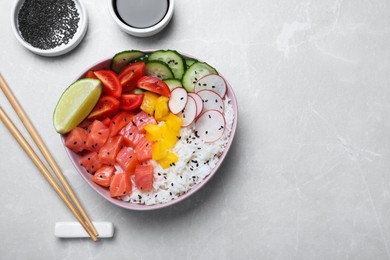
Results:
<point x="307" y="176"/>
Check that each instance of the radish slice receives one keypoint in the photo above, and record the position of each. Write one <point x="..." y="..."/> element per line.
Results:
<point x="212" y="82"/>
<point x="211" y="100"/>
<point x="188" y="114"/>
<point x="198" y="101"/>
<point x="210" y="126"/>
<point x="177" y="100"/>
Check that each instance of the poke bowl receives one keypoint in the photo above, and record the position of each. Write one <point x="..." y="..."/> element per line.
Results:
<point x="149" y="159"/>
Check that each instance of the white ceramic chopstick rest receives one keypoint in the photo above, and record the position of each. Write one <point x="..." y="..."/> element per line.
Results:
<point x="75" y="230"/>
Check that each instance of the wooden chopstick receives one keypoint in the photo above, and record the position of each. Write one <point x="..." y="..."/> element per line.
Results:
<point x="44" y="150"/>
<point x="34" y="157"/>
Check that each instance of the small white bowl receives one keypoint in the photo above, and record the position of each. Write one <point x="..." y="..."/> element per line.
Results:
<point x="59" y="50"/>
<point x="142" y="32"/>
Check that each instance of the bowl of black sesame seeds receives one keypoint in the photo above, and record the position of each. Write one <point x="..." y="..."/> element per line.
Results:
<point x="49" y="27"/>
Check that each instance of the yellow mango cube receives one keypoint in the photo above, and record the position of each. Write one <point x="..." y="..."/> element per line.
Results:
<point x="173" y="121"/>
<point x="149" y="102"/>
<point x="168" y="160"/>
<point x="153" y="132"/>
<point x="161" y="109"/>
<point x="158" y="151"/>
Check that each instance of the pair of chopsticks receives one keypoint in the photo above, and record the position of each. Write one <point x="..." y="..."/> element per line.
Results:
<point x="68" y="195"/>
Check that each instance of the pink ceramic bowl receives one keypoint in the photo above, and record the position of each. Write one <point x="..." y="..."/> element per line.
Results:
<point x="105" y="193"/>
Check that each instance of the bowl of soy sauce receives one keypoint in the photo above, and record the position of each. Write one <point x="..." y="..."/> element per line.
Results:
<point x="141" y="18"/>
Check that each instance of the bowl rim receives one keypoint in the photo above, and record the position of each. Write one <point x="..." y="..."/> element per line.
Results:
<point x="59" y="50"/>
<point x="143" y="32"/>
<point x="104" y="63"/>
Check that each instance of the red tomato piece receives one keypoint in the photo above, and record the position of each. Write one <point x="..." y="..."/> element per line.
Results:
<point x="127" y="159"/>
<point x="130" y="101"/>
<point x="119" y="121"/>
<point x="90" y="162"/>
<point x="76" y="139"/>
<point x="120" y="185"/>
<point x="154" y="85"/>
<point x="107" y="106"/>
<point x="103" y="176"/>
<point x="110" y="149"/>
<point x="143" y="150"/>
<point x="144" y="177"/>
<point x="90" y="74"/>
<point x="142" y="119"/>
<point x="131" y="134"/>
<point x="111" y="84"/>
<point x="130" y="75"/>
<point x="97" y="136"/>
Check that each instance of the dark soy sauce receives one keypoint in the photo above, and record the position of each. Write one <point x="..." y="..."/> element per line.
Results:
<point x="141" y="13"/>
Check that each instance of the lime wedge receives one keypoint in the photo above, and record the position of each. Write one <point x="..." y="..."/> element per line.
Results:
<point x="75" y="104"/>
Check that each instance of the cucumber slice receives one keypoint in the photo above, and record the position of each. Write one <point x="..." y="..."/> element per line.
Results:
<point x="173" y="59"/>
<point x="121" y="59"/>
<point x="190" y="61"/>
<point x="143" y="58"/>
<point x="194" y="73"/>
<point x="158" y="69"/>
<point x="173" y="83"/>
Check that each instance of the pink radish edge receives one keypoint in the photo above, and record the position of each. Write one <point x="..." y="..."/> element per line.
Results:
<point x="189" y="112"/>
<point x="177" y="100"/>
<point x="220" y="89"/>
<point x="210" y="126"/>
<point x="198" y="101"/>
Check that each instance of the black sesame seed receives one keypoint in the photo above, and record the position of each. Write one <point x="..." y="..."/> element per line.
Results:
<point x="46" y="24"/>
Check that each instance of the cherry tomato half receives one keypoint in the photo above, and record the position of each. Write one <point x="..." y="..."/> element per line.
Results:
<point x="111" y="84"/>
<point x="154" y="85"/>
<point x="130" y="75"/>
<point x="130" y="101"/>
<point x="107" y="106"/>
<point x="90" y="74"/>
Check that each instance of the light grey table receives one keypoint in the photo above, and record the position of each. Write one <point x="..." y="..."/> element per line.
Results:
<point x="308" y="175"/>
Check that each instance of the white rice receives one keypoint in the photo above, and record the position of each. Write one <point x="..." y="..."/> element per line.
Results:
<point x="196" y="161"/>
